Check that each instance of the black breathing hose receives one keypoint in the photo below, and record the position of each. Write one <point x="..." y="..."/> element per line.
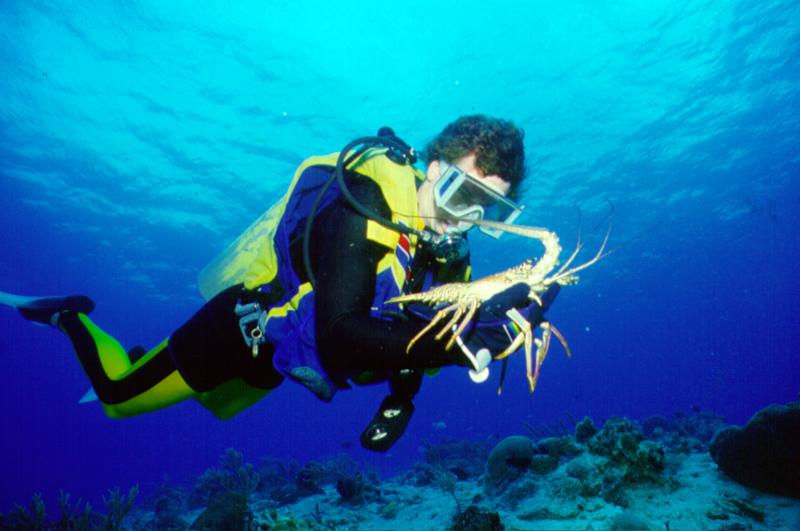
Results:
<point x="398" y="152"/>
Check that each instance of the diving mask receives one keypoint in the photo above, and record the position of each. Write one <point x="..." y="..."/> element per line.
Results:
<point x="467" y="199"/>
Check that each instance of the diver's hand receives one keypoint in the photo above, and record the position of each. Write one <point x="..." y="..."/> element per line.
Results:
<point x="493" y="330"/>
<point x="517" y="296"/>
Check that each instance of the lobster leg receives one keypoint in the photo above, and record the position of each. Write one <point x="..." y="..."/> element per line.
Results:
<point x="441" y="314"/>
<point x="458" y="311"/>
<point x="473" y="307"/>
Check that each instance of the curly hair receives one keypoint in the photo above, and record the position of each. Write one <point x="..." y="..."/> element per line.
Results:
<point x="497" y="145"/>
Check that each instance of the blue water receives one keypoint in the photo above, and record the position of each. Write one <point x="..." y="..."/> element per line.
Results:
<point x="137" y="139"/>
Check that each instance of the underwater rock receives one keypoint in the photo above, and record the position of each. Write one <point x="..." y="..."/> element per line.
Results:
<point x="464" y="459"/>
<point x="629" y="521"/>
<point x="649" y="462"/>
<point x="579" y="468"/>
<point x="274" y="473"/>
<point x="310" y="478"/>
<point x="475" y="519"/>
<point x="509" y="460"/>
<point x="765" y="454"/>
<point x="702" y="425"/>
<point x="356" y="490"/>
<point x="546" y="513"/>
<point x="518" y="491"/>
<point x="655" y="422"/>
<point x="424" y="474"/>
<point x="389" y="510"/>
<point x="167" y="510"/>
<point x="685" y="433"/>
<point x="284" y="494"/>
<point x="612" y="487"/>
<point x="351" y="490"/>
<point x="728" y="508"/>
<point x="227" y="510"/>
<point x="619" y="439"/>
<point x="543" y="464"/>
<point x="565" y="488"/>
<point x="585" y="430"/>
<point x="685" y="445"/>
<point x="558" y="447"/>
<point x="169" y="522"/>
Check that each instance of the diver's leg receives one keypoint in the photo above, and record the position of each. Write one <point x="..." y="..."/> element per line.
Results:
<point x="125" y="389"/>
<point x="204" y="353"/>
<point x="209" y="349"/>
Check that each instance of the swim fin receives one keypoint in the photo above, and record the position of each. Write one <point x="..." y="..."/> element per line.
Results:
<point x="388" y="424"/>
<point x="45" y="310"/>
<point x="90" y="396"/>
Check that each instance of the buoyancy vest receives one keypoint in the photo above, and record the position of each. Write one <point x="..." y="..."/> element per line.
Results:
<point x="260" y="259"/>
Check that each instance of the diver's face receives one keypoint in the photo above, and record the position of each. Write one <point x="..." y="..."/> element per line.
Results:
<point x="431" y="216"/>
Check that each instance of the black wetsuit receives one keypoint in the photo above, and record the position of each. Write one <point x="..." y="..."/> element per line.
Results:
<point x="209" y="350"/>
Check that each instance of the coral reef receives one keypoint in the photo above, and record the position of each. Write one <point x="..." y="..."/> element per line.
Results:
<point x="357" y="489"/>
<point x="33" y="517"/>
<point x="765" y="454"/>
<point x="618" y="477"/>
<point x="702" y="425"/>
<point x="168" y="504"/>
<point x="684" y="433"/>
<point x="118" y="506"/>
<point x="310" y="478"/>
<point x="585" y="430"/>
<point x="543" y="464"/>
<point x="281" y="482"/>
<point x="233" y="475"/>
<point x="619" y="457"/>
<point x="558" y="447"/>
<point x="75" y="516"/>
<point x="623" y="443"/>
<point x="226" y="510"/>
<point x="272" y="520"/>
<point x="463" y="460"/>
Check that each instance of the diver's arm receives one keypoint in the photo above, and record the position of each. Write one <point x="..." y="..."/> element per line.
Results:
<point x="344" y="263"/>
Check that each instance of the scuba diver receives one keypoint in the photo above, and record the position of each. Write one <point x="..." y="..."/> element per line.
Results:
<point x="302" y="293"/>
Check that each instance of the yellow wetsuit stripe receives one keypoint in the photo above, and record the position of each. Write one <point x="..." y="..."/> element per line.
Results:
<point x="230" y="398"/>
<point x="113" y="357"/>
<point x="117" y="365"/>
<point x="291" y="304"/>
<point x="169" y="391"/>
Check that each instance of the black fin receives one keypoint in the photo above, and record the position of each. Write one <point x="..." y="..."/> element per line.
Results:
<point x="388" y="424"/>
<point x="44" y="309"/>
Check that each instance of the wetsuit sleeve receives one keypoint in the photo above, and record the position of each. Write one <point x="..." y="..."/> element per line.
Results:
<point x="345" y="263"/>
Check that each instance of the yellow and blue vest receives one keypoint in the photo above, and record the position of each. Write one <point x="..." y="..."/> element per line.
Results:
<point x="260" y="259"/>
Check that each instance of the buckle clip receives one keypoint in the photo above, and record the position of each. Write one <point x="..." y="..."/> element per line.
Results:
<point x="252" y="324"/>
